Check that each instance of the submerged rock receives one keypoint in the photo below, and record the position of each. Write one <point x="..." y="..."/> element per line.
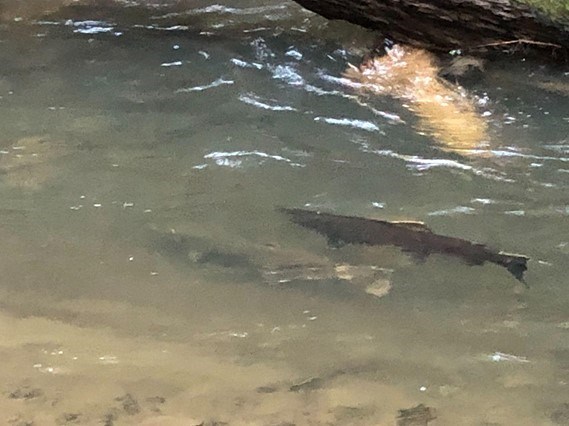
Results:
<point x="69" y="419"/>
<point x="109" y="419"/>
<point x="25" y="393"/>
<point x="129" y="405"/>
<point x="213" y="423"/>
<point x="560" y="415"/>
<point x="420" y="415"/>
<point x="266" y="389"/>
<point x="311" y="384"/>
<point x="19" y="421"/>
<point x="155" y="403"/>
<point x="464" y="68"/>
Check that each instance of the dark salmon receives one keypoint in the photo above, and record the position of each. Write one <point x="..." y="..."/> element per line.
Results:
<point x="412" y="237"/>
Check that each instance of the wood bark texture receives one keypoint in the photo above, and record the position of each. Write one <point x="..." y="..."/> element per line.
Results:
<point x="449" y="24"/>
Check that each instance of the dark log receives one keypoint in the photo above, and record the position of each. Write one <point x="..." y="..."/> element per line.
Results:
<point x="444" y="25"/>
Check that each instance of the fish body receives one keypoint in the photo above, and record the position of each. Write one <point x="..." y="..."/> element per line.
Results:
<point x="411" y="237"/>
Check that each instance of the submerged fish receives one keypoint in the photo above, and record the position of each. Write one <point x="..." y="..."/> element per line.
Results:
<point x="411" y="237"/>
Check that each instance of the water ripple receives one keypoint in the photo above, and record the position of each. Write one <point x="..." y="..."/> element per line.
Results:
<point x="506" y="153"/>
<point x="293" y="53"/>
<point x="244" y="64"/>
<point x="392" y="117"/>
<point x="170" y="28"/>
<point x="343" y="81"/>
<point x="171" y="64"/>
<point x="221" y="9"/>
<point x="357" y="124"/>
<point x="453" y="211"/>
<point x="232" y="159"/>
<point x="322" y="92"/>
<point x="90" y="27"/>
<point x="255" y="101"/>
<point x="483" y="201"/>
<point x="561" y="148"/>
<point x="215" y="83"/>
<point x="422" y="163"/>
<point x="288" y="74"/>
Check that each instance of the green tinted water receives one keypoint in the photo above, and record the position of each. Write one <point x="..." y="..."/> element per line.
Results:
<point x="141" y="167"/>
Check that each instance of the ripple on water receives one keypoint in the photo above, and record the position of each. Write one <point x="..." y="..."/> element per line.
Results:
<point x="256" y="101"/>
<point x="171" y="64"/>
<point x="245" y="64"/>
<point x="216" y="83"/>
<point x="92" y="27"/>
<point x="235" y="159"/>
<point x="276" y="101"/>
<point x="420" y="163"/>
<point x="368" y="126"/>
<point x="222" y="9"/>
<point x="287" y="74"/>
<point x="453" y="211"/>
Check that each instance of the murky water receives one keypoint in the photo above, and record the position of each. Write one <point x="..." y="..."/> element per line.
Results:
<point x="143" y="154"/>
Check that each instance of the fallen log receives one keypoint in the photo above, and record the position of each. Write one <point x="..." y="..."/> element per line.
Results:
<point x="411" y="237"/>
<point x="444" y="25"/>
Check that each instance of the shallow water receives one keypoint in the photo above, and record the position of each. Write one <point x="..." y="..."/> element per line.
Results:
<point x="143" y="154"/>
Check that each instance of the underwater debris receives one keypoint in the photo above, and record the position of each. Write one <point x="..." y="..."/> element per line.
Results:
<point x="420" y="415"/>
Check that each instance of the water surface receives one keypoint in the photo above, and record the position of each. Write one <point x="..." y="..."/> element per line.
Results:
<point x="143" y="154"/>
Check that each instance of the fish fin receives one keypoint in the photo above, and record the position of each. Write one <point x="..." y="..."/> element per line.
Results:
<point x="412" y="225"/>
<point x="419" y="257"/>
<point x="516" y="264"/>
<point x="517" y="267"/>
<point x="335" y="242"/>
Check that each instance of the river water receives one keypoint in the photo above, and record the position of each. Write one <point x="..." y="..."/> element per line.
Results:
<point x="143" y="154"/>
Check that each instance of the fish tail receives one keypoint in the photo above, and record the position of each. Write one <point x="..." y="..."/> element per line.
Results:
<point x="517" y="266"/>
